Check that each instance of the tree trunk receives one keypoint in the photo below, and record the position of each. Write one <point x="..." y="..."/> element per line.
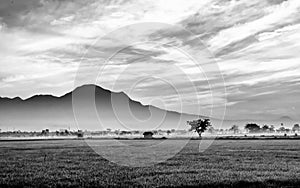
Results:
<point x="199" y="133"/>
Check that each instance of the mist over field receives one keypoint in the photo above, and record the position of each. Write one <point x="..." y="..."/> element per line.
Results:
<point x="164" y="93"/>
<point x="47" y="111"/>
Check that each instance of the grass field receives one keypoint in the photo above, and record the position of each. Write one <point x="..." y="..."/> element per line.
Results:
<point x="226" y="163"/>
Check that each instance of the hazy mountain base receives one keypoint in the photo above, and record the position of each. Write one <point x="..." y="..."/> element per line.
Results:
<point x="95" y="109"/>
<point x="190" y="135"/>
<point x="103" y="110"/>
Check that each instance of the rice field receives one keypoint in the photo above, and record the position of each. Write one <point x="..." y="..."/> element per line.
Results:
<point x="226" y="163"/>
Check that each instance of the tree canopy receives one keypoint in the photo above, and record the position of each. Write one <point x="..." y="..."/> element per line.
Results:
<point x="252" y="127"/>
<point x="199" y="125"/>
<point x="296" y="127"/>
<point x="234" y="128"/>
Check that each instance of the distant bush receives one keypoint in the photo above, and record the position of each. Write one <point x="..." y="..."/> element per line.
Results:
<point x="296" y="128"/>
<point x="235" y="129"/>
<point x="253" y="127"/>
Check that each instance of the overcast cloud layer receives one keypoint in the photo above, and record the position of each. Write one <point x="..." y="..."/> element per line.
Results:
<point x="255" y="43"/>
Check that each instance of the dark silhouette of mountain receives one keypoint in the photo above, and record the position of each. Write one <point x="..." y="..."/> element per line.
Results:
<point x="286" y="119"/>
<point x="95" y="109"/>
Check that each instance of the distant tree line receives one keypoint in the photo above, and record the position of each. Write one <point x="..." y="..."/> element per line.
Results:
<point x="255" y="128"/>
<point x="202" y="125"/>
<point x="199" y="126"/>
<point x="44" y="132"/>
<point x="80" y="133"/>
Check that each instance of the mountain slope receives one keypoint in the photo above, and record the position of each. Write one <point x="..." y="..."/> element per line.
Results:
<point x="95" y="109"/>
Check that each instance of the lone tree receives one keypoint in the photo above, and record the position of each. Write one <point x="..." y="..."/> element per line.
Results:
<point x="199" y="125"/>
<point x="296" y="128"/>
<point x="169" y="132"/>
<point x="265" y="128"/>
<point x="235" y="129"/>
<point x="252" y="127"/>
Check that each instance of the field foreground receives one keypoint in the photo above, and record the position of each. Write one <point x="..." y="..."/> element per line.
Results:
<point x="226" y="163"/>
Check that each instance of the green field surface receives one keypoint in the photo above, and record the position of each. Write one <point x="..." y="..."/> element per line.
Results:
<point x="226" y="163"/>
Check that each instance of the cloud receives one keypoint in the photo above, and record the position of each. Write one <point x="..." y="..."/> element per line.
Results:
<point x="255" y="44"/>
<point x="278" y="16"/>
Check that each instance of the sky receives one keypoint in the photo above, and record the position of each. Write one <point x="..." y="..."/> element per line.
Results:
<point x="248" y="51"/>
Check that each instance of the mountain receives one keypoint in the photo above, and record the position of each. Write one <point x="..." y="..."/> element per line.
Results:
<point x="95" y="108"/>
<point x="286" y="119"/>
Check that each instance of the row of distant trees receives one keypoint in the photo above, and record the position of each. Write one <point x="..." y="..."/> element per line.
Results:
<point x="45" y="132"/>
<point x="201" y="125"/>
<point x="134" y="132"/>
<point x="65" y="132"/>
<point x="255" y="128"/>
<point x="80" y="133"/>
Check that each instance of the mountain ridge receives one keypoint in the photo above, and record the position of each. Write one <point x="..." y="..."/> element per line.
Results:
<point x="41" y="111"/>
<point x="96" y="86"/>
<point x="44" y="111"/>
